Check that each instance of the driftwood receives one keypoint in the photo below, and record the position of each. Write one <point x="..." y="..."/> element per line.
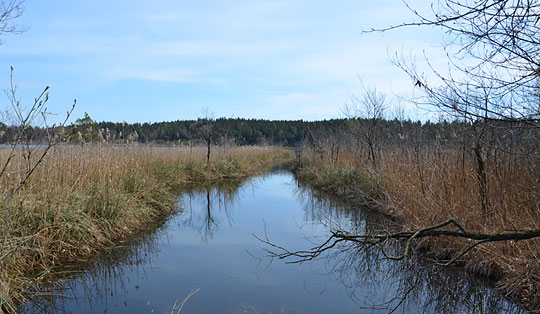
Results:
<point x="379" y="240"/>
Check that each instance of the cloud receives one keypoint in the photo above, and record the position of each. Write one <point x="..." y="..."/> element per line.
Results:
<point x="293" y="105"/>
<point x="291" y="98"/>
<point x="294" y="59"/>
<point x="218" y="47"/>
<point x="176" y="75"/>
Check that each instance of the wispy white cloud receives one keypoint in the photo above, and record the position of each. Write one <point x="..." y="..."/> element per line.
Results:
<point x="173" y="75"/>
<point x="177" y="75"/>
<point x="217" y="47"/>
<point x="293" y="58"/>
<point x="291" y="98"/>
<point x="294" y="105"/>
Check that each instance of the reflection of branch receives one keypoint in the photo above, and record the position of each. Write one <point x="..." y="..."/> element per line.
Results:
<point x="303" y="256"/>
<point x="380" y="240"/>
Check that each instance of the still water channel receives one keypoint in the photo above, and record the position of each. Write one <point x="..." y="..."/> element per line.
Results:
<point x="208" y="249"/>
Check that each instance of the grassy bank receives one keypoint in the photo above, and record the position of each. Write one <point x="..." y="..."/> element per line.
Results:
<point x="83" y="200"/>
<point x="425" y="189"/>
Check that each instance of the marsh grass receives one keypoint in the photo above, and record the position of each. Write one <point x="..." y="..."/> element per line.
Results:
<point x="425" y="189"/>
<point x="83" y="200"/>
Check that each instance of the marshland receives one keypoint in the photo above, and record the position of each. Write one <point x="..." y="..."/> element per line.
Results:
<point x="81" y="202"/>
<point x="353" y="184"/>
<point x="85" y="202"/>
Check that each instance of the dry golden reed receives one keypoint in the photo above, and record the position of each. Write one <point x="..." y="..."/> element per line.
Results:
<point x="428" y="187"/>
<point x="82" y="200"/>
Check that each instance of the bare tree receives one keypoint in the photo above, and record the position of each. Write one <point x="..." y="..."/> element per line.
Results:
<point x="493" y="82"/>
<point x="25" y="119"/>
<point x="204" y="127"/>
<point x="370" y="106"/>
<point x="9" y="11"/>
<point x="489" y="43"/>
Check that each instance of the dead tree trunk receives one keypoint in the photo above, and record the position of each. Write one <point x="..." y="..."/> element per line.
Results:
<point x="481" y="177"/>
<point x="208" y="146"/>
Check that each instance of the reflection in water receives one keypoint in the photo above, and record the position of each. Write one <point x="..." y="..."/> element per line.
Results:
<point x="204" y="246"/>
<point x="216" y="198"/>
<point x="99" y="281"/>
<point x="417" y="284"/>
<point x="107" y="280"/>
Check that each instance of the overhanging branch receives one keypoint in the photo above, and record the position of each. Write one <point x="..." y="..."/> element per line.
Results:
<point x="380" y="240"/>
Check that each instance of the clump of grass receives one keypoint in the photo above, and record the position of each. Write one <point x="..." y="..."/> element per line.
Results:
<point x="343" y="179"/>
<point x="83" y="200"/>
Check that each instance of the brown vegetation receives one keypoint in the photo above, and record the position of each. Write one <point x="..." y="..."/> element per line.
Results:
<point x="426" y="187"/>
<point x="81" y="201"/>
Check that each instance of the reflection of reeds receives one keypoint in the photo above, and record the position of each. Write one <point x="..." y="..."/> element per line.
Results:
<point x="82" y="200"/>
<point x="177" y="308"/>
<point x="447" y="187"/>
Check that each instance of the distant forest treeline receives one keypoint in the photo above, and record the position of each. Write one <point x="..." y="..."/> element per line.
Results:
<point x="243" y="131"/>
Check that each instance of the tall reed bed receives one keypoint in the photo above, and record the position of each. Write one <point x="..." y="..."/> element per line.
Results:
<point x="429" y="186"/>
<point x="81" y="201"/>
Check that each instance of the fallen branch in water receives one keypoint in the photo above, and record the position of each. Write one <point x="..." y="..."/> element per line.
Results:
<point x="379" y="240"/>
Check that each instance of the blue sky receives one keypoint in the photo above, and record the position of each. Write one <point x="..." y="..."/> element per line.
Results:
<point x="151" y="61"/>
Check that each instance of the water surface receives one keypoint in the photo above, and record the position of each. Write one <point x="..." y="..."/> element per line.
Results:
<point x="209" y="247"/>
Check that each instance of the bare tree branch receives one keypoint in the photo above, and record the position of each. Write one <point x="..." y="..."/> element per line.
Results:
<point x="9" y="11"/>
<point x="489" y="43"/>
<point x="380" y="240"/>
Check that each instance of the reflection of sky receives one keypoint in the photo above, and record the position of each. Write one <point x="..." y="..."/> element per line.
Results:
<point x="230" y="280"/>
<point x="267" y="204"/>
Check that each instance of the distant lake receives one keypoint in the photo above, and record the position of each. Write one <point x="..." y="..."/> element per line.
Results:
<point x="208" y="248"/>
